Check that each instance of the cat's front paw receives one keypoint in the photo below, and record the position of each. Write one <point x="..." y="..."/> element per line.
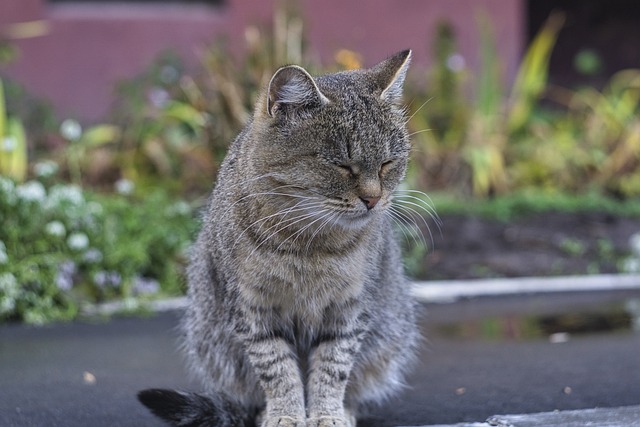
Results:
<point x="283" y="422"/>
<point x="330" y="422"/>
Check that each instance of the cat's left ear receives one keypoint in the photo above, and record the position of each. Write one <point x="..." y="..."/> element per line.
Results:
<point x="390" y="74"/>
<point x="291" y="89"/>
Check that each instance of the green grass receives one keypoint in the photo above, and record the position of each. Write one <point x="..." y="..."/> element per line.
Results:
<point x="517" y="205"/>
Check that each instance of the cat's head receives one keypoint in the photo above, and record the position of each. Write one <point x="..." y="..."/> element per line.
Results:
<point x="340" y="138"/>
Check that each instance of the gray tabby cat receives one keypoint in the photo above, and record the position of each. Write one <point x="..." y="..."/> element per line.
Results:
<point x="299" y="312"/>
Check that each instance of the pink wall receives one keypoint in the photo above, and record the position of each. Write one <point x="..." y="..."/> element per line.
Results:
<point x="90" y="47"/>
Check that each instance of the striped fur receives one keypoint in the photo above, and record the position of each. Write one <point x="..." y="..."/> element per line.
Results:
<point x="299" y="312"/>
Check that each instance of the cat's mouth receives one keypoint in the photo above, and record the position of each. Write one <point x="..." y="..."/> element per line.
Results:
<point x="358" y="214"/>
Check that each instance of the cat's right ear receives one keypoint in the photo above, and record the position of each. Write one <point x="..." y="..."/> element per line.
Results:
<point x="291" y="89"/>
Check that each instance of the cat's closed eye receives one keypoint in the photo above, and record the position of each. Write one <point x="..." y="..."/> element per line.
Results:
<point x="353" y="170"/>
<point x="348" y="170"/>
<point x="385" y="166"/>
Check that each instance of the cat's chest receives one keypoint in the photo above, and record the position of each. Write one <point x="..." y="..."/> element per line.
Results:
<point x="303" y="286"/>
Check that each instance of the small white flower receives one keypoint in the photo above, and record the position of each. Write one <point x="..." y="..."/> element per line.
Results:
<point x="4" y="258"/>
<point x="169" y="74"/>
<point x="95" y="208"/>
<point x="32" y="191"/>
<point x="179" y="208"/>
<point x="71" y="130"/>
<point x="7" y="190"/>
<point x="124" y="186"/>
<point x="93" y="255"/>
<point x="78" y="241"/>
<point x="6" y="185"/>
<point x="159" y="97"/>
<point x="55" y="229"/>
<point x="64" y="277"/>
<point x="67" y="194"/>
<point x="8" y="284"/>
<point x="631" y="265"/>
<point x="105" y="279"/>
<point x="634" y="243"/>
<point x="45" y="169"/>
<point x="145" y="285"/>
<point x="456" y="62"/>
<point x="7" y="305"/>
<point x="9" y="292"/>
<point x="9" y="143"/>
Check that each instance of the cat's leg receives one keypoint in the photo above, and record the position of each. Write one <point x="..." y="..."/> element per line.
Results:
<point x="387" y="352"/>
<point x="350" y="416"/>
<point x="330" y="365"/>
<point x="275" y="364"/>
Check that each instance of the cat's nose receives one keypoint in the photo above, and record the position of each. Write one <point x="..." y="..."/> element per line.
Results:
<point x="370" y="202"/>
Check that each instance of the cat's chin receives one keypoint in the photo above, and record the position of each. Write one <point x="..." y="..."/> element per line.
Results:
<point x="355" y="221"/>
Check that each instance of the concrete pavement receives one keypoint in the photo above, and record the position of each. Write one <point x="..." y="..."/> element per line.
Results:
<point x="522" y="354"/>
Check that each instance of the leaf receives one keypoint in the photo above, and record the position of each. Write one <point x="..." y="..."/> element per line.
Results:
<point x="16" y="159"/>
<point x="489" y="91"/>
<point x="3" y="113"/>
<point x="100" y="135"/>
<point x="186" y="114"/>
<point x="13" y="144"/>
<point x="532" y="75"/>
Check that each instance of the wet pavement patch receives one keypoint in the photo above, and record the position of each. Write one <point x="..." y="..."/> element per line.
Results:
<point x="616" y="317"/>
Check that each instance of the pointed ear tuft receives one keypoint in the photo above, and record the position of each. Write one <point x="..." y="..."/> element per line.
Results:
<point x="390" y="74"/>
<point x="292" y="88"/>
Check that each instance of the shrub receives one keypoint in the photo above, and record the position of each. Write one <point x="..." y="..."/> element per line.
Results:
<point x="61" y="247"/>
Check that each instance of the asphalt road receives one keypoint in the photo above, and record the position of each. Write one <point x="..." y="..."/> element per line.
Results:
<point x="485" y="356"/>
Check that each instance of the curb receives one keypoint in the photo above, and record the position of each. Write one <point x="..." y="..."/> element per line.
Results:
<point x="437" y="291"/>
<point x="447" y="291"/>
<point x="626" y="416"/>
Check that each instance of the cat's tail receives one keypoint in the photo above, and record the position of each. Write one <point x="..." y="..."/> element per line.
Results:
<point x="195" y="410"/>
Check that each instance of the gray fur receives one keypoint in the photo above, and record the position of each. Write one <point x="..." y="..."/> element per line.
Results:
<point x="297" y="300"/>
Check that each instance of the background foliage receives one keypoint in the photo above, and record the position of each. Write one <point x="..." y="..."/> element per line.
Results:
<point x="61" y="247"/>
<point x="95" y="214"/>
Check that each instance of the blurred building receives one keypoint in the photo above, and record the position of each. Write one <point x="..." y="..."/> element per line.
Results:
<point x="74" y="51"/>
<point x="599" y="38"/>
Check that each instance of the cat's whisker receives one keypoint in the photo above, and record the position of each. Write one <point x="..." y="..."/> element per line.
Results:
<point x="289" y="221"/>
<point x="299" y="206"/>
<point x="426" y="205"/>
<point x="409" y="224"/>
<point x="247" y="181"/>
<point x="322" y="214"/>
<point x="331" y="216"/>
<point x="270" y="193"/>
<point x="417" y="111"/>
<point x="403" y="203"/>
<point x="400" y="225"/>
<point x="419" y="131"/>
<point x="412" y="213"/>
<point x="292" y="222"/>
<point x="412" y="204"/>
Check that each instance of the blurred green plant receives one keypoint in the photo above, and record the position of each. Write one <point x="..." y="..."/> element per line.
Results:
<point x="470" y="144"/>
<point x="171" y="128"/>
<point x="612" y="131"/>
<point x="593" y="146"/>
<point x="588" y="141"/>
<point x="156" y="137"/>
<point x="631" y="264"/>
<point x="13" y="143"/>
<point x="61" y="248"/>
